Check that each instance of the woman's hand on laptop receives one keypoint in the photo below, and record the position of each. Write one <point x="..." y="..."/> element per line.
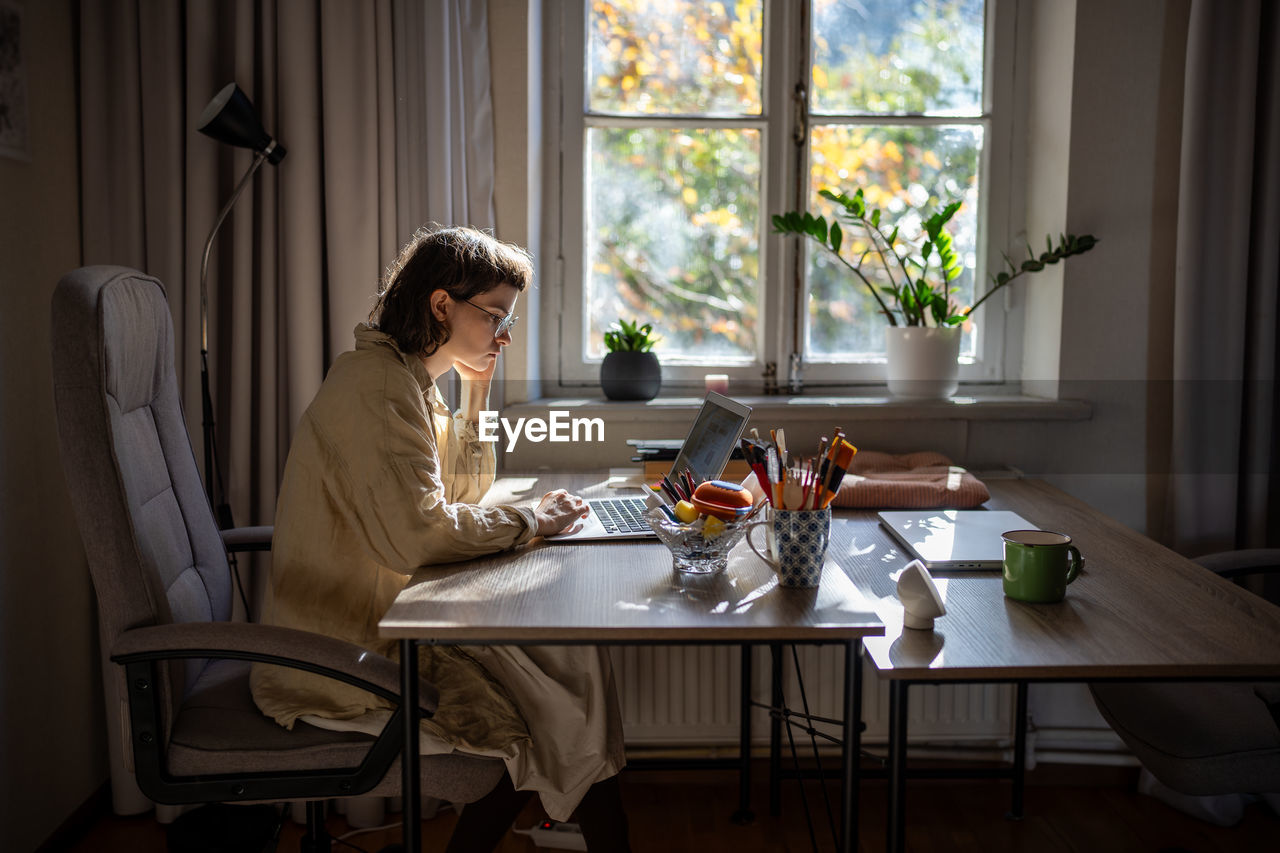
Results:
<point x="557" y="510"/>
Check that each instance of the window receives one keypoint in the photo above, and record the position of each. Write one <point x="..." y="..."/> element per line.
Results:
<point x="684" y="126"/>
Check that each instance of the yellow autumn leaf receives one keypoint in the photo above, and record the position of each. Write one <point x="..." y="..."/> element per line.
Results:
<point x="819" y="77"/>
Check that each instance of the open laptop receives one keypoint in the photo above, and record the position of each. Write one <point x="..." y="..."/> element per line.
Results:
<point x="954" y="538"/>
<point x="707" y="447"/>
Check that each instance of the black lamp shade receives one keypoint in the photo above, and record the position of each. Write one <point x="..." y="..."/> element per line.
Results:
<point x="231" y="118"/>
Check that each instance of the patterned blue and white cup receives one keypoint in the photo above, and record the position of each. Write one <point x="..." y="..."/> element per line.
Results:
<point x="797" y="544"/>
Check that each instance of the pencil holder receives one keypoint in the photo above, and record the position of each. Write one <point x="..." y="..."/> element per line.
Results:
<point x="797" y="544"/>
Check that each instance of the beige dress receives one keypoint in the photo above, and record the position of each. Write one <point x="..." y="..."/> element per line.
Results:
<point x="381" y="480"/>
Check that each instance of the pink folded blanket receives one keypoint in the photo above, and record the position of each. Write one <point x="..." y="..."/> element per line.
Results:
<point x="924" y="480"/>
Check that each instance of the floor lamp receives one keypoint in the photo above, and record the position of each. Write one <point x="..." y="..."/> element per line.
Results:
<point x="230" y="118"/>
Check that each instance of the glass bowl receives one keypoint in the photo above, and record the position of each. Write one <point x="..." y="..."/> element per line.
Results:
<point x="697" y="548"/>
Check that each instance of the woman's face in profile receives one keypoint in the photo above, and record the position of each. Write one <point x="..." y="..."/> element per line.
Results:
<point x="472" y="325"/>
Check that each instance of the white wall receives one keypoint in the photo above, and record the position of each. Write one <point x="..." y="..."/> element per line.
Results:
<point x="52" y="746"/>
<point x="515" y="48"/>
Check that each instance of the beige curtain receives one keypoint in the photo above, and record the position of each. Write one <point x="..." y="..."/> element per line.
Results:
<point x="295" y="265"/>
<point x="1225" y="476"/>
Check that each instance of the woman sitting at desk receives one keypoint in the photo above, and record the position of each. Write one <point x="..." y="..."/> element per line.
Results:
<point x="381" y="479"/>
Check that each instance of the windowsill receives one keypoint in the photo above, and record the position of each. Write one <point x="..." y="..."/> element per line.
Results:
<point x="977" y="406"/>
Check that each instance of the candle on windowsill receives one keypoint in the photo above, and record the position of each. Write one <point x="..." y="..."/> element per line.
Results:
<point x="718" y="382"/>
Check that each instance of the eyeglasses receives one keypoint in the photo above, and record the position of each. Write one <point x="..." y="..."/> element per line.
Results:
<point x="504" y="323"/>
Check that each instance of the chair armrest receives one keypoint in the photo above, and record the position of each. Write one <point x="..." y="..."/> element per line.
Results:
<point x="271" y="644"/>
<point x="1250" y="561"/>
<point x="247" y="538"/>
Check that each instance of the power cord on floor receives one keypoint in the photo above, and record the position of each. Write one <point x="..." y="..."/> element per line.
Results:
<point x="349" y="844"/>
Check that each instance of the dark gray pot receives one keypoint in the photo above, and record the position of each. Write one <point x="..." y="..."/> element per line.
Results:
<point x="631" y="376"/>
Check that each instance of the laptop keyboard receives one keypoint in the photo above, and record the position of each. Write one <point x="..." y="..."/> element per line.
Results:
<point x="621" y="515"/>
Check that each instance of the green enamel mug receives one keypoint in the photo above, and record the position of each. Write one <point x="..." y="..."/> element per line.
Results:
<point x="1038" y="565"/>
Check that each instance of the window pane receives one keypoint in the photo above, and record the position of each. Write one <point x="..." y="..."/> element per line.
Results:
<point x="672" y="225"/>
<point x="674" y="57"/>
<point x="897" y="56"/>
<point x="907" y="171"/>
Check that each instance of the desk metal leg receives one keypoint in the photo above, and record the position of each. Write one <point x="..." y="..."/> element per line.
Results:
<point x="897" y="766"/>
<point x="852" y="753"/>
<point x="775" y="729"/>
<point x="1019" y="750"/>
<point x="744" y="814"/>
<point x="409" y="761"/>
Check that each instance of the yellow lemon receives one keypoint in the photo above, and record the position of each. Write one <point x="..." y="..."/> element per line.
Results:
<point x="686" y="513"/>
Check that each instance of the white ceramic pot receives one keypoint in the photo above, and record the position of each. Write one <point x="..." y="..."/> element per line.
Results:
<point x="924" y="361"/>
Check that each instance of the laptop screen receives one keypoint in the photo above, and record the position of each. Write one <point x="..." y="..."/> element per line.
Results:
<point x="712" y="438"/>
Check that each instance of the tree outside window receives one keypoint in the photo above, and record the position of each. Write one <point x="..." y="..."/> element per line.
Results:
<point x="675" y="134"/>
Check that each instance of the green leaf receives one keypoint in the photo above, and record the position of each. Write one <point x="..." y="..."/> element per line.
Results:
<point x="875" y="217"/>
<point x="893" y="235"/>
<point x="1032" y="265"/>
<point x="835" y="236"/>
<point x="1002" y="278"/>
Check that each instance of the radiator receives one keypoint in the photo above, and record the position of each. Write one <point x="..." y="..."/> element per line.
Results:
<point x="689" y="695"/>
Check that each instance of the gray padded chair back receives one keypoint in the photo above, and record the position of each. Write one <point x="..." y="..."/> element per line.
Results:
<point x="1204" y="739"/>
<point x="154" y="550"/>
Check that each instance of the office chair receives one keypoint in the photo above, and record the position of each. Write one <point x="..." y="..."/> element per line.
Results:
<point x="1203" y="739"/>
<point x="160" y="572"/>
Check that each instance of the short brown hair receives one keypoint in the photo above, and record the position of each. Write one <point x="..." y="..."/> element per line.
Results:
<point x="462" y="261"/>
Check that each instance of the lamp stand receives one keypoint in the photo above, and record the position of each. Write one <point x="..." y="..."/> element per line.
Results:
<point x="212" y="469"/>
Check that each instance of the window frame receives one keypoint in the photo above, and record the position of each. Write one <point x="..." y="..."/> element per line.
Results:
<point x="786" y="46"/>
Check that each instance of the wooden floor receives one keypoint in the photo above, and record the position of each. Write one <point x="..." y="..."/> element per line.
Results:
<point x="1086" y="810"/>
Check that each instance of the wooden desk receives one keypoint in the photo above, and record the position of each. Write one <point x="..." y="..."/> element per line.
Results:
<point x="1138" y="611"/>
<point x="621" y="592"/>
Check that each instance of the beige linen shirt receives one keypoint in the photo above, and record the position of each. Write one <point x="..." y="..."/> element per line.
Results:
<point x="380" y="480"/>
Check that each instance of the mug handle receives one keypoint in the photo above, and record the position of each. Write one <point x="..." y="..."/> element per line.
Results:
<point x="751" y="528"/>
<point x="1077" y="563"/>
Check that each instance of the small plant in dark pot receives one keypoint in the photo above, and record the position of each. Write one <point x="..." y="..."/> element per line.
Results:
<point x="630" y="371"/>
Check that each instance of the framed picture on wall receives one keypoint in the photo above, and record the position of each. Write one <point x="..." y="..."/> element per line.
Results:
<point x="14" y="136"/>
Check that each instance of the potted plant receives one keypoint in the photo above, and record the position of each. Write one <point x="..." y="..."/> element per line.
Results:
<point x="923" y="336"/>
<point x="630" y="370"/>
